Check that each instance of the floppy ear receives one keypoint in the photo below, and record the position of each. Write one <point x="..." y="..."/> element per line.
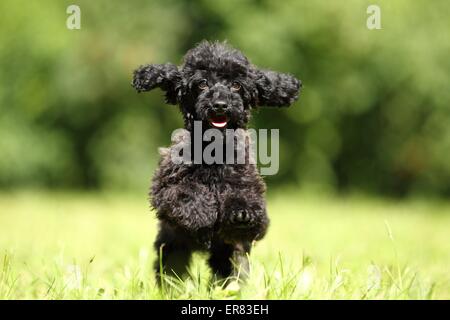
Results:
<point x="276" y="89"/>
<point x="164" y="76"/>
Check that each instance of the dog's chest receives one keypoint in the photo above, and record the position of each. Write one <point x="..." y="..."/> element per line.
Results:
<point x="217" y="176"/>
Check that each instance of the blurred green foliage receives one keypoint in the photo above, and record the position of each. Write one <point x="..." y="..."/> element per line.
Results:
<point x="374" y="114"/>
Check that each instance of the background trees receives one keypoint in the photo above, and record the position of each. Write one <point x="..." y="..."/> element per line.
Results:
<point x="374" y="114"/>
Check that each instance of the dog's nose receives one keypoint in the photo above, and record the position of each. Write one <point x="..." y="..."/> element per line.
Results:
<point x="220" y="106"/>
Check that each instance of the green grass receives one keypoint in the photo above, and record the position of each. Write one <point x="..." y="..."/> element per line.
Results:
<point x="99" y="246"/>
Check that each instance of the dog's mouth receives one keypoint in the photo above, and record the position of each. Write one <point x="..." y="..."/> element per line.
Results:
<point x="218" y="121"/>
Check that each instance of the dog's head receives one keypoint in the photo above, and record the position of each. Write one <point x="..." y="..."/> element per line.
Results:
<point x="217" y="85"/>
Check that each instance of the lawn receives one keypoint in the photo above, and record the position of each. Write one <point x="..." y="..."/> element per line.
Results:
<point x="99" y="246"/>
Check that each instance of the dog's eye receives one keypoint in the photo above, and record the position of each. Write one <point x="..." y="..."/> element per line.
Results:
<point x="203" y="85"/>
<point x="235" y="86"/>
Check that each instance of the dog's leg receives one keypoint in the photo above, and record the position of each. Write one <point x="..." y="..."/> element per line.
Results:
<point x="229" y="260"/>
<point x="243" y="219"/>
<point x="173" y="253"/>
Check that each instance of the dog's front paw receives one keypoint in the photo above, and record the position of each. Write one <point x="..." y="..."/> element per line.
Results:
<point x="240" y="217"/>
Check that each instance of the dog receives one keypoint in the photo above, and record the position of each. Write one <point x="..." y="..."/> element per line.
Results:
<point x="219" y="208"/>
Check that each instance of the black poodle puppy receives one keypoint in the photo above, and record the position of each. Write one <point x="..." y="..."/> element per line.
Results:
<point x="217" y="207"/>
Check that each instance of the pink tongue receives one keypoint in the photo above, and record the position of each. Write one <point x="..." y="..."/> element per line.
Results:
<point x="219" y="122"/>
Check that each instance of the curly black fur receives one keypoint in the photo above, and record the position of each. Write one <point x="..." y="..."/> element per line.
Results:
<point x="216" y="207"/>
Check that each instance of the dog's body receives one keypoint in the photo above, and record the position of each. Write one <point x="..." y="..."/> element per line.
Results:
<point x="215" y="207"/>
